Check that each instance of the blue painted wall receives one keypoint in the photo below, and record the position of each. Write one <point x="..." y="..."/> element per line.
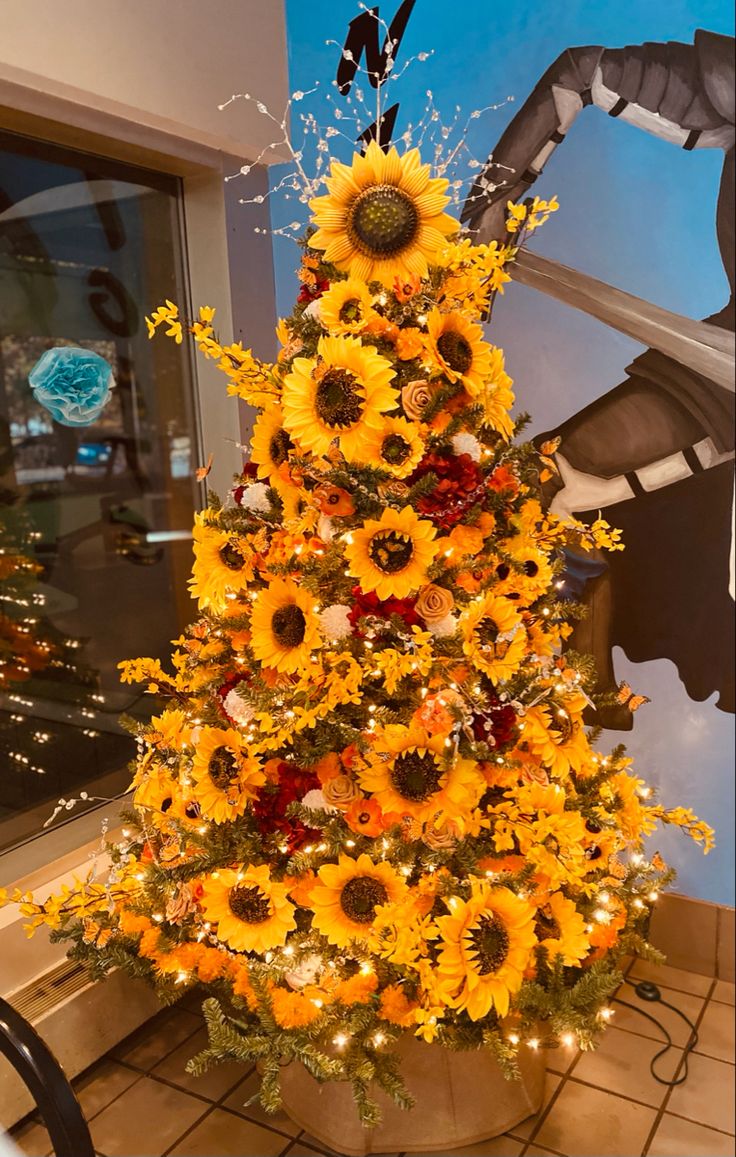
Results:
<point x="636" y="212"/>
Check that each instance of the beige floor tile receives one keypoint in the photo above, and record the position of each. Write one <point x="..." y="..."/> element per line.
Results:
<point x="32" y="1139"/>
<point x="707" y="1094"/>
<point x="536" y="1151"/>
<point x="724" y="992"/>
<point x="213" y="1084"/>
<point x="678" y="1138"/>
<point x="255" y="1112"/>
<point x="585" y="1121"/>
<point x="632" y="1021"/>
<point x="716" y="1036"/>
<point x="102" y="1084"/>
<point x="526" y="1128"/>
<point x="496" y="1147"/>
<point x="151" y="1043"/>
<point x="620" y="1064"/>
<point x="560" y="1059"/>
<point x="309" y="1145"/>
<point x="145" y="1120"/>
<point x="664" y="975"/>
<point x="225" y="1135"/>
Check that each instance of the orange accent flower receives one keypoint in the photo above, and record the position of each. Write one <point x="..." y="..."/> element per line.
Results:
<point x="334" y="501"/>
<point x="292" y="1009"/>
<point x="381" y="327"/>
<point x="395" y="1006"/>
<point x="300" y="887"/>
<point x="408" y="343"/>
<point x="404" y="288"/>
<point x="356" y="989"/>
<point x="433" y="715"/>
<point x="466" y="540"/>
<point x="328" y="767"/>
<point x="365" y="817"/>
<point x="503" y="479"/>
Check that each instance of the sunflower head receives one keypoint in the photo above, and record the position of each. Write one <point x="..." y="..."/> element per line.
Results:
<point x="224" y="777"/>
<point x="456" y="347"/>
<point x="494" y="637"/>
<point x="391" y="555"/>
<point x="396" y="448"/>
<point x="342" y="394"/>
<point x="383" y="216"/>
<point x="270" y="443"/>
<point x="347" y="894"/>
<point x="409" y="776"/>
<point x="346" y="307"/>
<point x="284" y="626"/>
<point x="223" y="565"/>
<point x="252" y="911"/>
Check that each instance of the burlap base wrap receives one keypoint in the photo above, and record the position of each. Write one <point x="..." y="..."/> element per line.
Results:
<point x="461" y="1098"/>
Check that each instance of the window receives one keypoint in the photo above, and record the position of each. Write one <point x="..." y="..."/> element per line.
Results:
<point x="94" y="520"/>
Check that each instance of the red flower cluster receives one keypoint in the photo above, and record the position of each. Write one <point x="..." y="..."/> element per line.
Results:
<point x="290" y="785"/>
<point x="309" y="293"/>
<point x="459" y="485"/>
<point x="369" y="604"/>
<point x="497" y="726"/>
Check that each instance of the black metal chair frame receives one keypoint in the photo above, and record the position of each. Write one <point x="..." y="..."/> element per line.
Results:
<point x="45" y="1079"/>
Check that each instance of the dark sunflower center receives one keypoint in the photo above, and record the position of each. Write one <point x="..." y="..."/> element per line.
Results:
<point x="360" y="897"/>
<point x="249" y="904"/>
<point x="390" y="551"/>
<point x="222" y="768"/>
<point x="279" y="447"/>
<point x="416" y="776"/>
<point x="350" y="311"/>
<point x="289" y="625"/>
<point x="382" y="221"/>
<point x="487" y="632"/>
<point x="455" y="351"/>
<point x="561" y="727"/>
<point x="395" y="450"/>
<point x="338" y="401"/>
<point x="531" y="568"/>
<point x="231" y="557"/>
<point x="545" y="926"/>
<point x="491" y="942"/>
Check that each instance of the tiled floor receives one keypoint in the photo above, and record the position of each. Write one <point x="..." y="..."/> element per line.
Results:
<point x="140" y="1102"/>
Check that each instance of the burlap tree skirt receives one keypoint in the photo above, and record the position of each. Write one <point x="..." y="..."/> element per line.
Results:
<point x="461" y="1098"/>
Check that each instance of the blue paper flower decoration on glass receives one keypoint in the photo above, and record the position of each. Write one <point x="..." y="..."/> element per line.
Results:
<point x="72" y="384"/>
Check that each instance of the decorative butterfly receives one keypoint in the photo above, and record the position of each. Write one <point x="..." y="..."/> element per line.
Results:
<point x="627" y="698"/>
<point x="546" y="450"/>
<point x="202" y="471"/>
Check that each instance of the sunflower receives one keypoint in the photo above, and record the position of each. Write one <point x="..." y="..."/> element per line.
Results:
<point x="346" y="307"/>
<point x="532" y="576"/>
<point x="347" y="894"/>
<point x="285" y="627"/>
<point x="251" y="910"/>
<point x="270" y="443"/>
<point x="561" y="930"/>
<point x="408" y="776"/>
<point x="498" y="397"/>
<point x="495" y="639"/>
<point x="391" y="555"/>
<point x="222" y="565"/>
<point x="486" y="944"/>
<point x="224" y="777"/>
<point x="456" y="347"/>
<point x="557" y="735"/>
<point x="342" y="394"/>
<point x="383" y="216"/>
<point x="396" y="447"/>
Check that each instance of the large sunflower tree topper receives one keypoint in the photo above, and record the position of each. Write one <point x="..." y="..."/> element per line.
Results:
<point x="371" y="806"/>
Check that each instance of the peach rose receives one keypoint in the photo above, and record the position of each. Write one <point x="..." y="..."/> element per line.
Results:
<point x="434" y="603"/>
<point x="415" y="396"/>
<point x="341" y="791"/>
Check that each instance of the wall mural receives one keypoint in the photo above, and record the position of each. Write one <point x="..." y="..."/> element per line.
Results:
<point x="630" y="391"/>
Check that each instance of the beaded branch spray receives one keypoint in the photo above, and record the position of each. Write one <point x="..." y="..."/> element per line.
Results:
<point x="369" y="805"/>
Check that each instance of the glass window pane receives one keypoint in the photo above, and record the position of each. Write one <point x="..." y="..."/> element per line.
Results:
<point x="94" y="518"/>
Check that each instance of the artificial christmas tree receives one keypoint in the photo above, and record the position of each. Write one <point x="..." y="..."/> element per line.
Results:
<point x="372" y="808"/>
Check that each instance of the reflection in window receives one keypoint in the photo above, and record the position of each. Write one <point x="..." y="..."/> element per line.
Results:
<point x="93" y="520"/>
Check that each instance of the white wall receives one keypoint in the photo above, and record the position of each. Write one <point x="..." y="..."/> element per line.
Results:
<point x="163" y="63"/>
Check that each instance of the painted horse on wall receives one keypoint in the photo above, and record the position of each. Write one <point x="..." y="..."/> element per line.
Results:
<point x="657" y="450"/>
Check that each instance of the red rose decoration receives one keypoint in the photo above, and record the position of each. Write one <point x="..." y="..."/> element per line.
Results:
<point x="369" y="604"/>
<point x="497" y="725"/>
<point x="459" y="486"/>
<point x="269" y="808"/>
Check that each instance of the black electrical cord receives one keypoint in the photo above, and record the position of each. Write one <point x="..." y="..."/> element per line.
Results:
<point x="645" y="990"/>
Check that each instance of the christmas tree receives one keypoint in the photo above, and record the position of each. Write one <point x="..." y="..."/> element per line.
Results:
<point x="371" y="806"/>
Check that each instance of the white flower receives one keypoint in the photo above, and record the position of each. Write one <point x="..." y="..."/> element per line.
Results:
<point x="312" y="310"/>
<point x="239" y="710"/>
<point x="325" y="528"/>
<point x="335" y="621"/>
<point x="316" y="801"/>
<point x="255" y="497"/>
<point x="305" y="972"/>
<point x="467" y="444"/>
<point x="443" y="628"/>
